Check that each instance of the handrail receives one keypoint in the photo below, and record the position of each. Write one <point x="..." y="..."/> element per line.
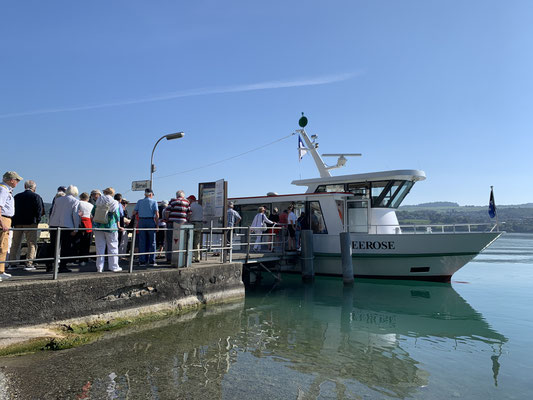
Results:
<point x="277" y="231"/>
<point x="429" y="228"/>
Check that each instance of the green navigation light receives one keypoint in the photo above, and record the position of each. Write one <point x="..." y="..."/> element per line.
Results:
<point x="303" y="121"/>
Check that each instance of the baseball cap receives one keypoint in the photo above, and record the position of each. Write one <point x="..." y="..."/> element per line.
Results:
<point x="62" y="189"/>
<point x="12" y="175"/>
<point x="192" y="197"/>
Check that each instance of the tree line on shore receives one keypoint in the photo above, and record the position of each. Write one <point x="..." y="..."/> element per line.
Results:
<point x="513" y="218"/>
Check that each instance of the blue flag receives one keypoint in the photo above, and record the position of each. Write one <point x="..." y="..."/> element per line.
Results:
<point x="492" y="204"/>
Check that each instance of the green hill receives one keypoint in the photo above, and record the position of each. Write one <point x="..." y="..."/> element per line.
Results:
<point x="512" y="218"/>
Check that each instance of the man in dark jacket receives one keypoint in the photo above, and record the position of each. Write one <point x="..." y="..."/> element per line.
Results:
<point x="29" y="208"/>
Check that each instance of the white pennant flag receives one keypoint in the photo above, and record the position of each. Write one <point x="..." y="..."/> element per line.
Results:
<point x="302" y="151"/>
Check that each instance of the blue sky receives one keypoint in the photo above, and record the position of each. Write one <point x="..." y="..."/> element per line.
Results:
<point x="443" y="86"/>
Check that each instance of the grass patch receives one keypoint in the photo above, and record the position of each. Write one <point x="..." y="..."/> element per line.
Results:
<point x="76" y="335"/>
<point x="28" y="347"/>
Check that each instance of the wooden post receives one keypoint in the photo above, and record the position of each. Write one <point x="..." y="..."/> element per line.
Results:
<point x="346" y="256"/>
<point x="306" y="257"/>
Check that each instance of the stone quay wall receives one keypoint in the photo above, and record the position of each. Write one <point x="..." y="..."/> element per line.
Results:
<point x="99" y="296"/>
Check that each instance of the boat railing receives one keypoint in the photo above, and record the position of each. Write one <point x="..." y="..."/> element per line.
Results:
<point x="433" y="228"/>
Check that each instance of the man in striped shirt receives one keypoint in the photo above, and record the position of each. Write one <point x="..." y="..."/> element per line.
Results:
<point x="176" y="214"/>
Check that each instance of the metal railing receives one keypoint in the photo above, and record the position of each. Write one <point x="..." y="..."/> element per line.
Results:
<point x="216" y="241"/>
<point x="431" y="228"/>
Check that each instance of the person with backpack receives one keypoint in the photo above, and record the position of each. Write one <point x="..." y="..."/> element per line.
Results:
<point x="106" y="224"/>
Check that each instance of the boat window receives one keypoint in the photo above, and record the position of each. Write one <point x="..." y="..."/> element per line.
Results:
<point x="248" y="212"/>
<point x="358" y="189"/>
<point x="330" y="188"/>
<point x="358" y="216"/>
<point x="404" y="190"/>
<point x="282" y="206"/>
<point x="389" y="193"/>
<point x="378" y="189"/>
<point x="317" y="218"/>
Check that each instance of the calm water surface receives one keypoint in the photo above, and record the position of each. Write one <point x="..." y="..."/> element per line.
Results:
<point x="376" y="340"/>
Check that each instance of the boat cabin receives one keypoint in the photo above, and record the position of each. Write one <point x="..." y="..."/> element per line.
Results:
<point x="363" y="203"/>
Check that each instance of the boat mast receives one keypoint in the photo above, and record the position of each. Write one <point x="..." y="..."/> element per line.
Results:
<point x="311" y="146"/>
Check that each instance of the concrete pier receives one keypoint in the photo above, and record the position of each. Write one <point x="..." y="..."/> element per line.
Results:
<point x="96" y="296"/>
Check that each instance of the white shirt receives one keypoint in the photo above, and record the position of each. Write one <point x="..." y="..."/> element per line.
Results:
<point x="292" y="218"/>
<point x="85" y="209"/>
<point x="6" y="200"/>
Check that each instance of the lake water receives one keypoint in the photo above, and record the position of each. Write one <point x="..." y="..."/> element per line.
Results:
<point x="471" y="339"/>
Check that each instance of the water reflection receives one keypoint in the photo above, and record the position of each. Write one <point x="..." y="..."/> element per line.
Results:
<point x="325" y="337"/>
<point x="365" y="332"/>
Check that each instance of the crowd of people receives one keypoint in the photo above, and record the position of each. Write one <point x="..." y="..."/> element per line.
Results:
<point x="101" y="215"/>
<point x="262" y="227"/>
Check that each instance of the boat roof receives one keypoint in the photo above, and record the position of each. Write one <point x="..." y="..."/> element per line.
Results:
<point x="284" y="196"/>
<point x="399" y="174"/>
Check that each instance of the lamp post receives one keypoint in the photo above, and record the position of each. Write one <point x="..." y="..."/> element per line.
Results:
<point x="170" y="136"/>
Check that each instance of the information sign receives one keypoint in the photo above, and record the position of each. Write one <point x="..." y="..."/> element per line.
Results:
<point x="140" y="185"/>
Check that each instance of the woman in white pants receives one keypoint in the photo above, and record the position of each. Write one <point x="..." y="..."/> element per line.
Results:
<point x="108" y="237"/>
<point x="259" y="226"/>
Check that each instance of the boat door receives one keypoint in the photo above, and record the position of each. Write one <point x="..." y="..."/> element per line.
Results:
<point x="357" y="214"/>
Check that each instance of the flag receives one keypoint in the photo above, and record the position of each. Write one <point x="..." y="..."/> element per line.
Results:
<point x="492" y="204"/>
<point x="302" y="151"/>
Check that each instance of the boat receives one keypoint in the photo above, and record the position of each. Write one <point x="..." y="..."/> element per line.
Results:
<point x="365" y="205"/>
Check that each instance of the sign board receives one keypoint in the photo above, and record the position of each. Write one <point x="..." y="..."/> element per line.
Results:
<point x="140" y="185"/>
<point x="219" y="198"/>
<point x="213" y="196"/>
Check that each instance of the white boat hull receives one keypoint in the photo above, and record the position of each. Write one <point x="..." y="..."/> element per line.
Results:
<point x="432" y="256"/>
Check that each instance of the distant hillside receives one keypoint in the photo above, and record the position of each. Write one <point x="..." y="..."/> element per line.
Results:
<point x="513" y="218"/>
<point x="437" y="204"/>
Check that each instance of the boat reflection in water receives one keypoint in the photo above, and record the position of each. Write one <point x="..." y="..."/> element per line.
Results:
<point x="361" y="337"/>
<point x="289" y="341"/>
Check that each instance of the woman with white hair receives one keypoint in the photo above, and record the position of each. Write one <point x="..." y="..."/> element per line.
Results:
<point x="259" y="225"/>
<point x="65" y="215"/>
<point x="106" y="230"/>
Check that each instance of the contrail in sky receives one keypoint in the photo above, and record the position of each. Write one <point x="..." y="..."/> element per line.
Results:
<point x="322" y="80"/>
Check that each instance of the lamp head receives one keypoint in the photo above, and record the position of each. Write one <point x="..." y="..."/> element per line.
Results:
<point x="172" y="136"/>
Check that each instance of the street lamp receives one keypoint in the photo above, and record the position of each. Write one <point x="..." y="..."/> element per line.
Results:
<point x="170" y="136"/>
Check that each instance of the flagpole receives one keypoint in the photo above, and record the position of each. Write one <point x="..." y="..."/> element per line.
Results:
<point x="495" y="211"/>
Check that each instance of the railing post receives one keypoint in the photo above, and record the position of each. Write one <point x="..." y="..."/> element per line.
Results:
<point x="283" y="241"/>
<point x="57" y="256"/>
<point x="210" y="240"/>
<point x="231" y="244"/>
<point x="187" y="234"/>
<point x="132" y="249"/>
<point x="248" y="244"/>
<point x="222" y="245"/>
